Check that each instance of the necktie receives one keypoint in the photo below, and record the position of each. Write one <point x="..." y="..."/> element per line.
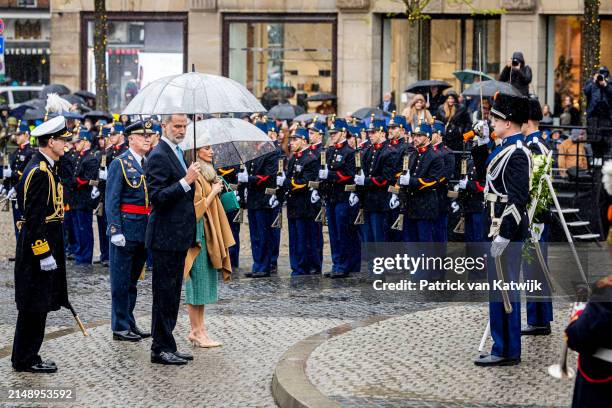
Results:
<point x="179" y="153"/>
<point x="142" y="163"/>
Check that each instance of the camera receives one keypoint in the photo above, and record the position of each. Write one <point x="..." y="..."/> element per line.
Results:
<point x="516" y="62"/>
<point x="600" y="78"/>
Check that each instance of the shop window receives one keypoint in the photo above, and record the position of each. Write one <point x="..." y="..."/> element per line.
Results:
<point x="138" y="52"/>
<point x="278" y="60"/>
<point x="566" y="58"/>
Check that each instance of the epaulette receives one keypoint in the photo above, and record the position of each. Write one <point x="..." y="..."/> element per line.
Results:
<point x="43" y="166"/>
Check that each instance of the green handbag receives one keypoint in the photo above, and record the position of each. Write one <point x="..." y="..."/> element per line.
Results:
<point x="228" y="199"/>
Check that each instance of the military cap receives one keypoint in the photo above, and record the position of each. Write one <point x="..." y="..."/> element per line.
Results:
<point x="398" y="121"/>
<point x="301" y="133"/>
<point x="422" y="129"/>
<point x="317" y="126"/>
<point x="118" y="128"/>
<point x="157" y="128"/>
<point x="378" y="125"/>
<point x="271" y="126"/>
<point x="22" y="127"/>
<point x="512" y="108"/>
<point x="338" y="125"/>
<point x="535" y="110"/>
<point x="84" y="134"/>
<point x="438" y="127"/>
<point x="263" y="126"/>
<point x="54" y="128"/>
<point x="106" y="131"/>
<point x="139" y="128"/>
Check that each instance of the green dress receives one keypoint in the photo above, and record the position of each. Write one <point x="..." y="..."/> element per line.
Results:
<point x="201" y="287"/>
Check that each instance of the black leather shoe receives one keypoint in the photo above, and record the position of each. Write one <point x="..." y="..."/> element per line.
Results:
<point x="248" y="275"/>
<point x="184" y="356"/>
<point x="44" y="367"/>
<point x="166" y="358"/>
<point x="491" y="361"/>
<point x="530" y="330"/>
<point x="12" y="259"/>
<point x="137" y="330"/>
<point x="260" y="275"/>
<point x="126" y="336"/>
<point x="338" y="275"/>
<point x="104" y="264"/>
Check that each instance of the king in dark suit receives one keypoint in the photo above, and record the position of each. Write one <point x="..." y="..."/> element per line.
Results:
<point x="170" y="232"/>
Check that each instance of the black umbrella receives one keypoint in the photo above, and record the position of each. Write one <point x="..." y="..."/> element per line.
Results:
<point x="325" y="96"/>
<point x="36" y="103"/>
<point x="309" y="117"/>
<point x="285" y="111"/>
<point x="54" y="88"/>
<point x="95" y="116"/>
<point x="424" y="86"/>
<point x="74" y="99"/>
<point x="365" y="113"/>
<point x="34" y="114"/>
<point x="490" y="88"/>
<point x="85" y="94"/>
<point x="20" y="110"/>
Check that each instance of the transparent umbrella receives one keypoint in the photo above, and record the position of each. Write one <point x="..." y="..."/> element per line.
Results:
<point x="234" y="140"/>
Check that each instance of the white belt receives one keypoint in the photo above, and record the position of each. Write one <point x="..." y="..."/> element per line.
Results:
<point x="494" y="198"/>
<point x="604" y="354"/>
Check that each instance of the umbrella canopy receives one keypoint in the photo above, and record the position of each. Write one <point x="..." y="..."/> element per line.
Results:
<point x="234" y="140"/>
<point x="285" y="111"/>
<point x="95" y="116"/>
<point x="489" y="88"/>
<point x="74" y="99"/>
<point x="325" y="96"/>
<point x="54" y="88"/>
<point x="72" y="115"/>
<point x="468" y="76"/>
<point x="366" y="113"/>
<point x="193" y="93"/>
<point x="34" y="114"/>
<point x="85" y="94"/>
<point x="424" y="86"/>
<point x="309" y="117"/>
<point x="21" y="109"/>
<point x="36" y="103"/>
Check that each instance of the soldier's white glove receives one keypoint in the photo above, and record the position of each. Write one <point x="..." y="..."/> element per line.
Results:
<point x="118" y="240"/>
<point x="2" y="190"/>
<point x="102" y="174"/>
<point x="48" y="264"/>
<point x="536" y="230"/>
<point x="314" y="197"/>
<point x="280" y="180"/>
<point x="353" y="199"/>
<point x="394" y="202"/>
<point x="7" y="172"/>
<point x="243" y="176"/>
<point x="404" y="179"/>
<point x="95" y="193"/>
<point x="273" y="202"/>
<point x="360" y="178"/>
<point x="11" y="194"/>
<point x="463" y="183"/>
<point x="323" y="173"/>
<point x="498" y="246"/>
<point x="237" y="195"/>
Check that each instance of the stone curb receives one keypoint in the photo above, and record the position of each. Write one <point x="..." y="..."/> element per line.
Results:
<point x="291" y="387"/>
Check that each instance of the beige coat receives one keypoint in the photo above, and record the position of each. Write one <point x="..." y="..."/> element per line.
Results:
<point x="216" y="230"/>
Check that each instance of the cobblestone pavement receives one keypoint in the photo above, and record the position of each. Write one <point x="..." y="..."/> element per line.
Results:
<point x="258" y="320"/>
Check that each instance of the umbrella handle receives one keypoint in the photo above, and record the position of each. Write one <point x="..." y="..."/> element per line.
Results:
<point x="194" y="129"/>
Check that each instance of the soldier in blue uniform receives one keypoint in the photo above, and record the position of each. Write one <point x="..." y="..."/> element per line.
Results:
<point x="421" y="182"/>
<point x="18" y="160"/>
<point x="277" y="206"/>
<point x="448" y="158"/>
<point x="67" y="164"/>
<point x="316" y="131"/>
<point x="376" y="177"/>
<point x="338" y="172"/>
<point x="127" y="210"/>
<point x="398" y="147"/>
<point x="258" y="175"/>
<point x="85" y="197"/>
<point x="540" y="312"/>
<point x="507" y="196"/>
<point x="301" y="169"/>
<point x="230" y="175"/>
<point x="99" y="186"/>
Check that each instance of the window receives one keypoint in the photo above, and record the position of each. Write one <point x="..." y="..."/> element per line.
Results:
<point x="138" y="52"/>
<point x="26" y="3"/>
<point x="279" y="59"/>
<point x="20" y="96"/>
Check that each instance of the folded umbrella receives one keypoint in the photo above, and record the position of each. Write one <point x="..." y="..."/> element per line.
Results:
<point x="234" y="140"/>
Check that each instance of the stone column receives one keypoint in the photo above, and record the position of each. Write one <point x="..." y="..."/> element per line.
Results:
<point x="204" y="40"/>
<point x="65" y="60"/>
<point x="359" y="60"/>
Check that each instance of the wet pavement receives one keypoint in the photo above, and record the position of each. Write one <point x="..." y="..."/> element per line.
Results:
<point x="419" y="355"/>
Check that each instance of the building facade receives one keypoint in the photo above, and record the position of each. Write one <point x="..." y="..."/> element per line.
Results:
<point x="356" y="49"/>
<point x="27" y="35"/>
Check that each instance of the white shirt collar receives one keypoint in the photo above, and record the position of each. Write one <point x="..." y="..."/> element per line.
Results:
<point x="50" y="160"/>
<point x="170" y="143"/>
<point x="136" y="156"/>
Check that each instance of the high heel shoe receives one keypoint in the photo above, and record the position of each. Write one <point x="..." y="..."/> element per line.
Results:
<point x="196" y="342"/>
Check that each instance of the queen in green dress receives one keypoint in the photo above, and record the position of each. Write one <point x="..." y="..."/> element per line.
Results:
<point x="210" y="254"/>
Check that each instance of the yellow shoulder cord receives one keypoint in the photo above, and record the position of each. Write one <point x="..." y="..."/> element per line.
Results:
<point x="142" y="183"/>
